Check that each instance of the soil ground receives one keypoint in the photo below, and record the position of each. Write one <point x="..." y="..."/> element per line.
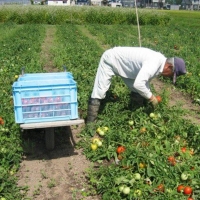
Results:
<point x="60" y="174"/>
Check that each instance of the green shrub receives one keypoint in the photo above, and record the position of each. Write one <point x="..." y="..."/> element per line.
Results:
<point x="79" y="15"/>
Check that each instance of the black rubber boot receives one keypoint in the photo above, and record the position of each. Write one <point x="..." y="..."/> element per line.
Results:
<point x="137" y="100"/>
<point x="93" y="108"/>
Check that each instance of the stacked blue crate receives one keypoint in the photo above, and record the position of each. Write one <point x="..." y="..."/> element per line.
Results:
<point x="45" y="97"/>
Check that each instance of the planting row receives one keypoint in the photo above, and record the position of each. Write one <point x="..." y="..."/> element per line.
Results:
<point x="20" y="45"/>
<point x="152" y="141"/>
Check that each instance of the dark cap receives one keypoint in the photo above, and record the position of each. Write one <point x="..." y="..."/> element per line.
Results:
<point x="179" y="68"/>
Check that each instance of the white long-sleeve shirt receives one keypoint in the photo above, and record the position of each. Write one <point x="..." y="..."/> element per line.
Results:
<point x="137" y="64"/>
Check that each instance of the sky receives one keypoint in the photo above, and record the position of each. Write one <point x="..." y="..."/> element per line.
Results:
<point x="10" y="1"/>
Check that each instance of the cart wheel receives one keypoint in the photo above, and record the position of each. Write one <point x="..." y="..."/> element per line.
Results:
<point x="49" y="138"/>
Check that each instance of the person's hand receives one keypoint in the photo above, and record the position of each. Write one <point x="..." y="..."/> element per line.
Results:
<point x="153" y="100"/>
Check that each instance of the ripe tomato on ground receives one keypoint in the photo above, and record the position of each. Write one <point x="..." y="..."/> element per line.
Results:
<point x="183" y="149"/>
<point x="187" y="190"/>
<point x="171" y="160"/>
<point x="143" y="130"/>
<point x="180" y="188"/>
<point x="120" y="149"/>
<point x="1" y="121"/>
<point x="160" y="188"/>
<point x="159" y="99"/>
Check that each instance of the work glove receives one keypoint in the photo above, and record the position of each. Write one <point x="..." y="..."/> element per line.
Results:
<point x="153" y="101"/>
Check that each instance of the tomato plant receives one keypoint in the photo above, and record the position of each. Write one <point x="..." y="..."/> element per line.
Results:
<point x="80" y="55"/>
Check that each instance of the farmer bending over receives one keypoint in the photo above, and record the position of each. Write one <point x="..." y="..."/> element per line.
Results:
<point x="137" y="66"/>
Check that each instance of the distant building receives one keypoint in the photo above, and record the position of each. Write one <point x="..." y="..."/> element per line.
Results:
<point x="143" y="3"/>
<point x="196" y="4"/>
<point x="58" y="2"/>
<point x="96" y="2"/>
<point x="191" y="4"/>
<point x="82" y="2"/>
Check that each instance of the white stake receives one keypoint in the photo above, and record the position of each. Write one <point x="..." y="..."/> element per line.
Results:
<point x="138" y="24"/>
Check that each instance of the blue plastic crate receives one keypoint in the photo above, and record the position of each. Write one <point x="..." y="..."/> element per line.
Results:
<point x="45" y="100"/>
<point x="42" y="76"/>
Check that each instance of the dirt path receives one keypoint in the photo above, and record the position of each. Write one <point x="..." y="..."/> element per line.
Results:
<point x="60" y="174"/>
<point x="176" y="97"/>
<point x="46" y="58"/>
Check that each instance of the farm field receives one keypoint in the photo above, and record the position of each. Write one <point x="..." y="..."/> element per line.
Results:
<point x="144" y="153"/>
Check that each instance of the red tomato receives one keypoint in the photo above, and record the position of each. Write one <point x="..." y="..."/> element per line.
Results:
<point x="183" y="149"/>
<point x="1" y="120"/>
<point x="187" y="190"/>
<point x="120" y="149"/>
<point x="190" y="198"/>
<point x="180" y="188"/>
<point x="171" y="160"/>
<point x="159" y="99"/>
<point x="160" y="188"/>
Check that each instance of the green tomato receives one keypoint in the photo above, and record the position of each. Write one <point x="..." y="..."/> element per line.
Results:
<point x="95" y="140"/>
<point x="121" y="187"/>
<point x="94" y="147"/>
<point x="131" y="122"/>
<point x="159" y="137"/>
<point x="101" y="133"/>
<point x="11" y="172"/>
<point x="99" y="143"/>
<point x="184" y="176"/>
<point x="105" y="128"/>
<point x="3" y="150"/>
<point x="152" y="115"/>
<point x="169" y="190"/>
<point x="137" y="193"/>
<point x="126" y="190"/>
<point x="137" y="176"/>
